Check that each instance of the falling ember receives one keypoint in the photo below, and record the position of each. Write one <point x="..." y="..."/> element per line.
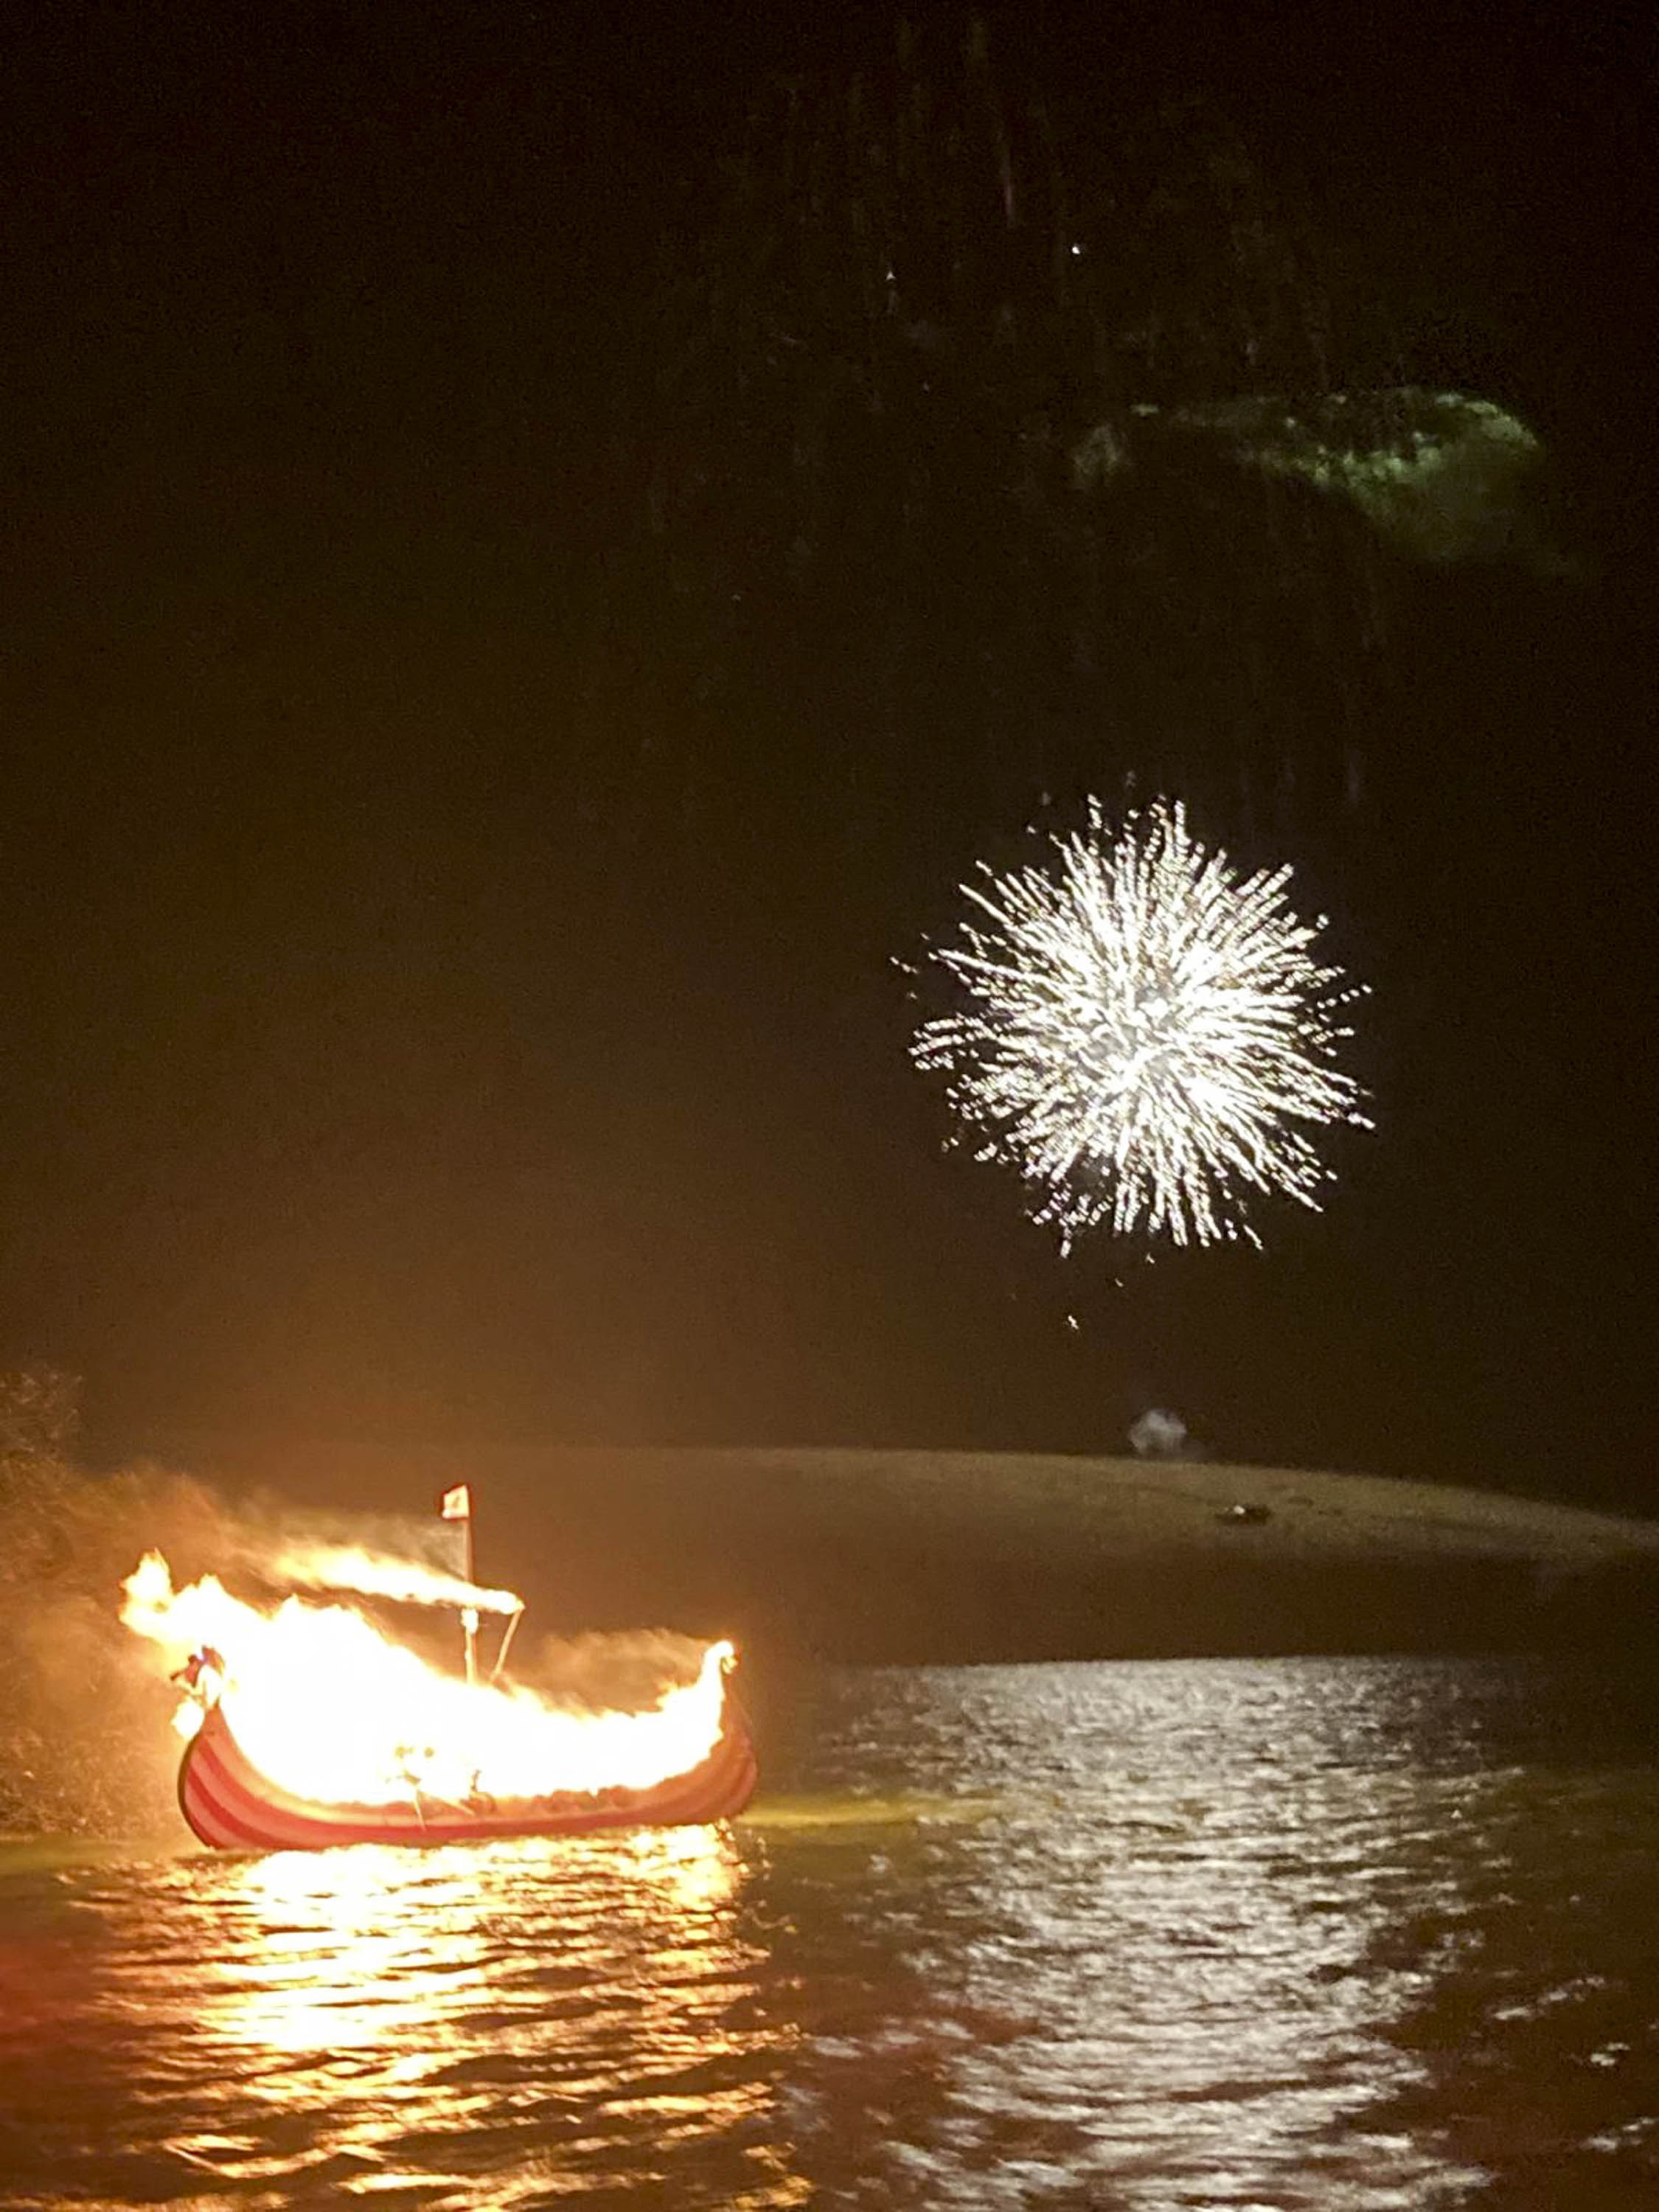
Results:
<point x="334" y="1712"/>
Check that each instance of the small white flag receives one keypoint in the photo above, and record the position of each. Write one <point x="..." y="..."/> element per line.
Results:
<point x="457" y="1504"/>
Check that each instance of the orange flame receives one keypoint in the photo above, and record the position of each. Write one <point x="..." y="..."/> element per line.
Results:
<point x="327" y="1707"/>
<point x="371" y="1574"/>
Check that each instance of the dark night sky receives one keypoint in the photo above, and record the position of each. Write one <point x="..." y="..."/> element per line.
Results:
<point x="448" y="985"/>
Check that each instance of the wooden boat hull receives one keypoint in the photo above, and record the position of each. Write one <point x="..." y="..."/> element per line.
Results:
<point x="231" y="1806"/>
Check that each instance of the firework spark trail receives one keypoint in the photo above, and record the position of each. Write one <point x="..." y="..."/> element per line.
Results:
<point x="1145" y="1034"/>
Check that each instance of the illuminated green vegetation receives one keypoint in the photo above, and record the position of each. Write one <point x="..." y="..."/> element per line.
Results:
<point x="1442" y="476"/>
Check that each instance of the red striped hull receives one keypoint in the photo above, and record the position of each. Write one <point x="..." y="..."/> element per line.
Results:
<point x="231" y="1806"/>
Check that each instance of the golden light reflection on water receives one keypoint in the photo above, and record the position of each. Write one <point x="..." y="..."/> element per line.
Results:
<point x="597" y="1992"/>
<point x="1302" y="1934"/>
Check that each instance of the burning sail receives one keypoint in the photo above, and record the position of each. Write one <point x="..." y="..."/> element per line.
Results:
<point x="307" y="1726"/>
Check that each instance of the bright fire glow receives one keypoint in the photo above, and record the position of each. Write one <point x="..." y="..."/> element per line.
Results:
<point x="327" y="1707"/>
<point x="350" y="1567"/>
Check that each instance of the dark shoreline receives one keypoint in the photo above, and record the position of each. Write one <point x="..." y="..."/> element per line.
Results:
<point x="864" y="1557"/>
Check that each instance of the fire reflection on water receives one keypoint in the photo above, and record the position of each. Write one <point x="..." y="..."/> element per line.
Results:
<point x="532" y="2009"/>
<point x="1343" y="1936"/>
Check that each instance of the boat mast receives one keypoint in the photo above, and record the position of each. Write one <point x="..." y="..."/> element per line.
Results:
<point x="457" y="1505"/>
<point x="507" y="1638"/>
<point x="470" y="1612"/>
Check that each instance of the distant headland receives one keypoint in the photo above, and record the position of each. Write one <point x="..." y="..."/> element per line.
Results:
<point x="895" y="1557"/>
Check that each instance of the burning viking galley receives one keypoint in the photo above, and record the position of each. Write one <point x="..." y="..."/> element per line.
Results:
<point x="306" y="1725"/>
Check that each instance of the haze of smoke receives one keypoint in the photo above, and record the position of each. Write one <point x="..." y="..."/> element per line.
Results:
<point x="1159" y="1434"/>
<point x="612" y="1670"/>
<point x="86" y="1746"/>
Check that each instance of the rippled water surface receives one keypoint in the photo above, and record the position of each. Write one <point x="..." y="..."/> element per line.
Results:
<point x="1339" y="1934"/>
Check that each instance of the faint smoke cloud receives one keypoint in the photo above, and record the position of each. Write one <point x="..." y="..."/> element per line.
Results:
<point x="1158" y="1434"/>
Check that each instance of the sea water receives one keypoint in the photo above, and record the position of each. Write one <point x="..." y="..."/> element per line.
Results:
<point x="1346" y="1935"/>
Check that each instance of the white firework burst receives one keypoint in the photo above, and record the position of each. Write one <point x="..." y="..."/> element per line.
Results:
<point x="1145" y="1033"/>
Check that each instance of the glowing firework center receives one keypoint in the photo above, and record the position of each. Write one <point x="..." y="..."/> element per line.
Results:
<point x="1145" y="1034"/>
